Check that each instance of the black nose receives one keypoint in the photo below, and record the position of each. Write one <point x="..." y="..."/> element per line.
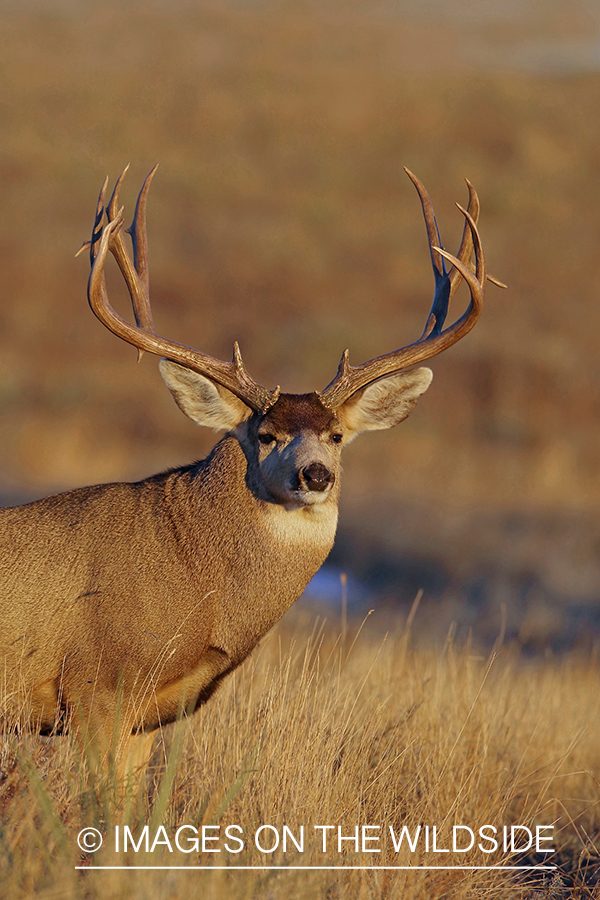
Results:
<point x="316" y="477"/>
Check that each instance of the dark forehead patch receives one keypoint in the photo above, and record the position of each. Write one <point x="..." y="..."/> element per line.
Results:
<point x="300" y="412"/>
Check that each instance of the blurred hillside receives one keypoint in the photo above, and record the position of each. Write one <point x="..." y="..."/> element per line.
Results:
<point x="281" y="217"/>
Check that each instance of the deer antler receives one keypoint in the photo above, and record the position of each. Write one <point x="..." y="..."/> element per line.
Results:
<point x="350" y="379"/>
<point x="231" y="375"/>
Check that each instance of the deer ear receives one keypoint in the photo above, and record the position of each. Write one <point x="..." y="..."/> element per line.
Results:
<point x="384" y="403"/>
<point x="204" y="401"/>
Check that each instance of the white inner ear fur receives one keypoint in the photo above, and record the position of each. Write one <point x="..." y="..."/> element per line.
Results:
<point x="204" y="401"/>
<point x="384" y="403"/>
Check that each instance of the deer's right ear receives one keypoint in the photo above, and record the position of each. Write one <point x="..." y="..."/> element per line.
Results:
<point x="203" y="400"/>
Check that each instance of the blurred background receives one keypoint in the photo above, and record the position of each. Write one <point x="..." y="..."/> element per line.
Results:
<point x="281" y="217"/>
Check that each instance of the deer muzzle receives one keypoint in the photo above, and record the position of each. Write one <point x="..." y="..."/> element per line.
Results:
<point x="315" y="477"/>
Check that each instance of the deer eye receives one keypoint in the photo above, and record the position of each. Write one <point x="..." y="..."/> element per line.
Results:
<point x="336" y="438"/>
<point x="266" y="438"/>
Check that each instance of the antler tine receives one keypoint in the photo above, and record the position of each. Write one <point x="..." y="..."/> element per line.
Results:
<point x="465" y="250"/>
<point x="350" y="379"/>
<point x="136" y="273"/>
<point x="475" y="242"/>
<point x="433" y="232"/>
<point x="231" y="375"/>
<point x="137" y="231"/>
<point x="97" y="227"/>
<point x="466" y="245"/>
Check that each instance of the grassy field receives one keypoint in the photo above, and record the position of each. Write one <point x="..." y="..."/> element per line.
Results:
<point x="320" y="727"/>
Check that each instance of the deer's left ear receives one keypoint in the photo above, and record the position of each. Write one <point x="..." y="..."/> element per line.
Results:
<point x="384" y="403"/>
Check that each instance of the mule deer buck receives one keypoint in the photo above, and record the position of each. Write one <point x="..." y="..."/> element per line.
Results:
<point x="128" y="603"/>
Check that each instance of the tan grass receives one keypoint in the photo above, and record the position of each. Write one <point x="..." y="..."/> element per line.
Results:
<point x="310" y="732"/>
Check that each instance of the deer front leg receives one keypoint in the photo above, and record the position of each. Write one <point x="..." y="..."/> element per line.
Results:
<point x="109" y="746"/>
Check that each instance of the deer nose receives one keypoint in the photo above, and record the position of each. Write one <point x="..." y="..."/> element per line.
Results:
<point x="316" y="477"/>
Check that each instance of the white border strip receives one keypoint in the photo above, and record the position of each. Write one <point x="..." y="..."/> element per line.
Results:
<point x="327" y="868"/>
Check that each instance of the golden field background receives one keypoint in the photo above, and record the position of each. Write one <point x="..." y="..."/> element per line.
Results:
<point x="281" y="217"/>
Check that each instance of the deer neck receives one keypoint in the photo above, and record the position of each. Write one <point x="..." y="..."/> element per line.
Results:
<point x="255" y="558"/>
<point x="308" y="528"/>
<point x="212" y="503"/>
